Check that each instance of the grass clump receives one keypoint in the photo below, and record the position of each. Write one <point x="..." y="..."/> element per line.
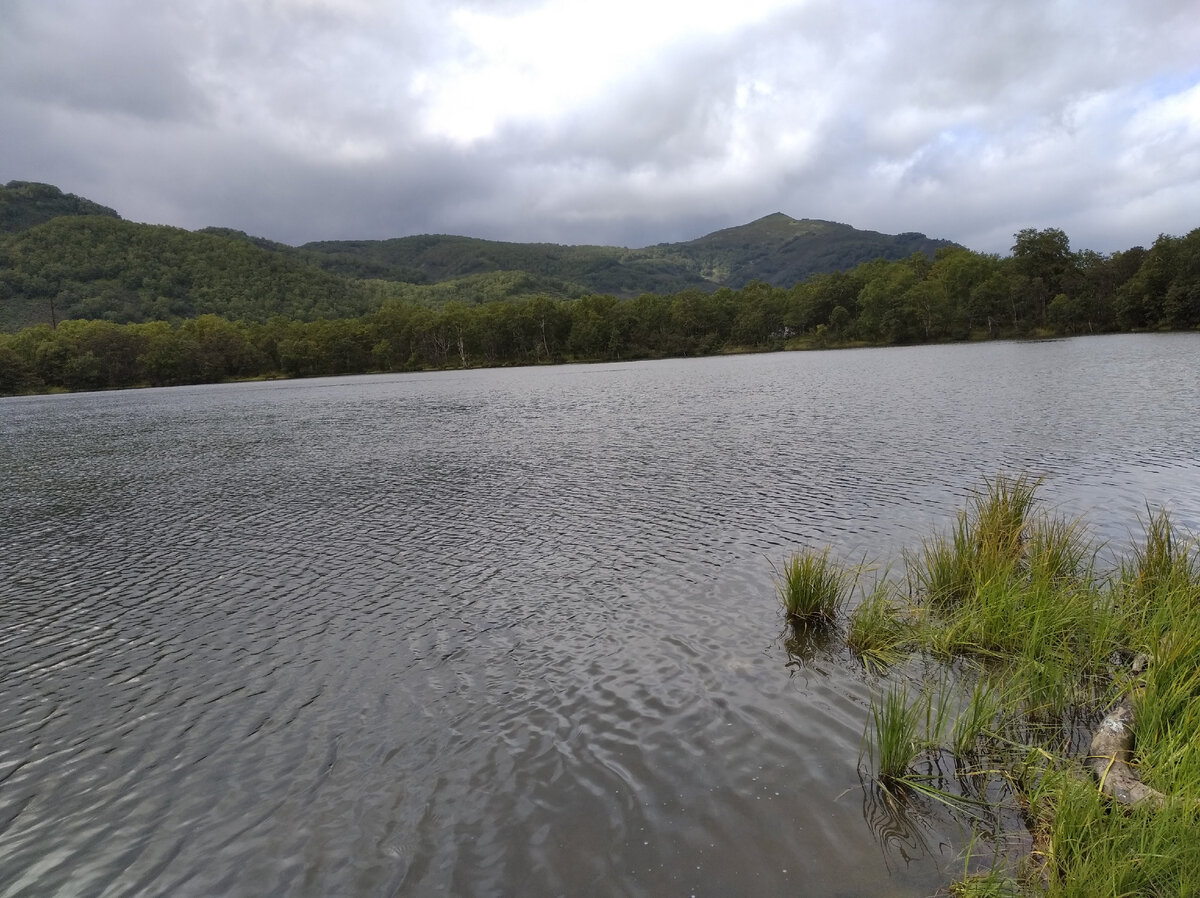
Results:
<point x="984" y="544"/>
<point x="1161" y="581"/>
<point x="878" y="631"/>
<point x="1011" y="582"/>
<point x="987" y="884"/>
<point x="1035" y="646"/>
<point x="1088" y="850"/>
<point x="894" y="746"/>
<point x="979" y="718"/>
<point x="813" y="587"/>
<point x="1168" y="710"/>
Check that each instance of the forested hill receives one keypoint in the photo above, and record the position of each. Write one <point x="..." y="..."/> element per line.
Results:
<point x="63" y="257"/>
<point x="776" y="249"/>
<point x="418" y="302"/>
<point x="24" y="204"/>
<point x="98" y="267"/>
<point x="783" y="251"/>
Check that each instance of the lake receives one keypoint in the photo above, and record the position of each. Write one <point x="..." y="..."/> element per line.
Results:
<point x="507" y="632"/>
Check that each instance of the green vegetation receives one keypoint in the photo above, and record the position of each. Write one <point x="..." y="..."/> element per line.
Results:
<point x="102" y="268"/>
<point x="894" y="745"/>
<point x="129" y="292"/>
<point x="813" y="588"/>
<point x="589" y="269"/>
<point x="24" y="204"/>
<point x="1018" y="648"/>
<point x="879" y="631"/>
<point x="775" y="249"/>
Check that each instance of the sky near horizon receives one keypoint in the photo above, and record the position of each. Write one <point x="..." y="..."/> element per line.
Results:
<point x="626" y="123"/>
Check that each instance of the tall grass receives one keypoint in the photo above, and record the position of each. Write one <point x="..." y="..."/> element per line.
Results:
<point x="981" y="717"/>
<point x="1161" y="580"/>
<point x="902" y="729"/>
<point x="879" y="631"/>
<point x="1168" y="710"/>
<point x="1090" y="851"/>
<point x="985" y="543"/>
<point x="1001" y="512"/>
<point x="893" y="746"/>
<point x="1037" y="644"/>
<point x="813" y="587"/>
<point x="994" y="883"/>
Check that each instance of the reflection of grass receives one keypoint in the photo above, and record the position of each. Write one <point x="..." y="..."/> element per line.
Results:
<point x="1033" y="646"/>
<point x="813" y="587"/>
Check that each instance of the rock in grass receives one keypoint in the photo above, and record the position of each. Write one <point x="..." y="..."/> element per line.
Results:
<point x="1108" y="757"/>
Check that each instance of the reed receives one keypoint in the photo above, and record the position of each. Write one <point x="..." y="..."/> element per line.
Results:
<point x="893" y="746"/>
<point x="1162" y="578"/>
<point x="878" y="631"/>
<point x="813" y="587"/>
<point x="983" y="711"/>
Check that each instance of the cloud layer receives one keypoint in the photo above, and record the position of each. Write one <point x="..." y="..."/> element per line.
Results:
<point x="626" y="122"/>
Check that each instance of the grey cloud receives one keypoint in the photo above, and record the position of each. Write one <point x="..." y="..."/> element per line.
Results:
<point x="305" y="119"/>
<point x="99" y="58"/>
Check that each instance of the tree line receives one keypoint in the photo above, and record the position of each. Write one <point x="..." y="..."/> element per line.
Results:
<point x="1042" y="289"/>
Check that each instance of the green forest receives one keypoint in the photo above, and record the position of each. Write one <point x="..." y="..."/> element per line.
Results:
<point x="89" y="301"/>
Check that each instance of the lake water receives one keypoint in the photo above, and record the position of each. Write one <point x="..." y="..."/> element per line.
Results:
<point x="506" y="632"/>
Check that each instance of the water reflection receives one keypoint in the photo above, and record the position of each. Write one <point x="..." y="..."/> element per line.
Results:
<point x="809" y="644"/>
<point x="902" y="824"/>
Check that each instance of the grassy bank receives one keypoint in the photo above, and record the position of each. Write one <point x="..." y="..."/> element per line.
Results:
<point x="999" y="650"/>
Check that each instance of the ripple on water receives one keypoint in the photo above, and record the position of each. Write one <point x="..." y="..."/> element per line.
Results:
<point x="504" y="632"/>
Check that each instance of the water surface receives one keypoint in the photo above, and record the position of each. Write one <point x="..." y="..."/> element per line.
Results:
<point x="505" y="632"/>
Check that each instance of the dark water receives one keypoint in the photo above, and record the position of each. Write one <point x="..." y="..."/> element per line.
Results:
<point x="505" y="632"/>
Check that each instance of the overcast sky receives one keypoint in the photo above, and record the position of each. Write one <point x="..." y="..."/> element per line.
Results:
<point x="626" y="122"/>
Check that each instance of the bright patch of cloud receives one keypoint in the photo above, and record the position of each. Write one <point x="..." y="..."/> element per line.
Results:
<point x="542" y="63"/>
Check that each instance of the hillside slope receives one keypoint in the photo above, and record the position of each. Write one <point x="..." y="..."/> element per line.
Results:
<point x="106" y="268"/>
<point x="782" y="251"/>
<point x="24" y="204"/>
<point x="62" y="256"/>
<point x="777" y="249"/>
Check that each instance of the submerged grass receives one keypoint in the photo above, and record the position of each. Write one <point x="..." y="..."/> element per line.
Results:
<point x="1035" y="647"/>
<point x="982" y="717"/>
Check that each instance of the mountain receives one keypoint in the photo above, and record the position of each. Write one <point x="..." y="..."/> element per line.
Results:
<point x="62" y="256"/>
<point x="783" y="251"/>
<point x="438" y="257"/>
<point x="777" y="249"/>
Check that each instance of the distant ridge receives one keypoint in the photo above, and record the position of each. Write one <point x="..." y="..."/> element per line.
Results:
<point x="782" y="250"/>
<point x="63" y="256"/>
<point x="777" y="249"/>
